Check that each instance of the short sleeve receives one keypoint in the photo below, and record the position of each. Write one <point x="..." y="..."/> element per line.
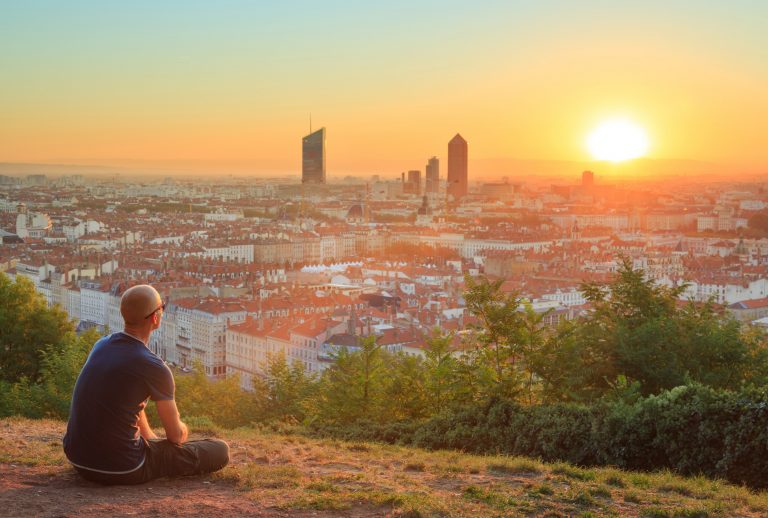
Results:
<point x="159" y="381"/>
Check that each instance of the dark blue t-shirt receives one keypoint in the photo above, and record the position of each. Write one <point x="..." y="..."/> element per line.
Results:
<point x="112" y="389"/>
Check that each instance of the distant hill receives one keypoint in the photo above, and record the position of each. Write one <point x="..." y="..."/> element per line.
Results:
<point x="295" y="476"/>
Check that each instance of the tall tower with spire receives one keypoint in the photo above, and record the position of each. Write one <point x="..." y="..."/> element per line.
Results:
<point x="313" y="157"/>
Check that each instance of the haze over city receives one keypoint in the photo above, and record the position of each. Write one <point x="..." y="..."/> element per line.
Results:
<point x="230" y="86"/>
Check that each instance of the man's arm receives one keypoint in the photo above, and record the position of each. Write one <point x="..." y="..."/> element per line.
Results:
<point x="175" y="430"/>
<point x="144" y="428"/>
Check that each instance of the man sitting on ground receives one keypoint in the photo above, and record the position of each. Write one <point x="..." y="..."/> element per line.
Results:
<point x="108" y="437"/>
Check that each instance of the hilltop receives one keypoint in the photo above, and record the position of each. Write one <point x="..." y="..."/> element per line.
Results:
<point x="296" y="476"/>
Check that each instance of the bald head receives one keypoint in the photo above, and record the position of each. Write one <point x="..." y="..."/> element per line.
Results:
<point x="138" y="302"/>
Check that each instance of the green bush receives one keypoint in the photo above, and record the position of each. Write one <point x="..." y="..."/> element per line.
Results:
<point x="223" y="402"/>
<point x="692" y="430"/>
<point x="394" y="433"/>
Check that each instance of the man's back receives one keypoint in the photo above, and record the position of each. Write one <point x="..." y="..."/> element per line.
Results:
<point x="111" y="391"/>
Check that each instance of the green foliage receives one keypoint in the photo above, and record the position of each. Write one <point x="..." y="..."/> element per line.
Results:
<point x="223" y="401"/>
<point x="40" y="354"/>
<point x="354" y="388"/>
<point x="59" y="371"/>
<point x="284" y="393"/>
<point x="497" y="336"/>
<point x="637" y="331"/>
<point x="509" y="343"/>
<point x="27" y="329"/>
<point x="375" y="385"/>
<point x="692" y="430"/>
<point x="404" y="388"/>
<point x="441" y="373"/>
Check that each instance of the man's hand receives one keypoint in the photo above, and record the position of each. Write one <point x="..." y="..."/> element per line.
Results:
<point x="144" y="429"/>
<point x="175" y="431"/>
<point x="185" y="431"/>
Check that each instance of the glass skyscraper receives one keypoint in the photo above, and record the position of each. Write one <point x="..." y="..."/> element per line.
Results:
<point x="313" y="157"/>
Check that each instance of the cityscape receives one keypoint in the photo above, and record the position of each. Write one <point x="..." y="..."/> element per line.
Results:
<point x="254" y="267"/>
<point x="407" y="259"/>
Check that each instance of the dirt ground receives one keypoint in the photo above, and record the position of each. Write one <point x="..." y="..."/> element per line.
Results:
<point x="35" y="480"/>
<point x="297" y="476"/>
<point x="60" y="492"/>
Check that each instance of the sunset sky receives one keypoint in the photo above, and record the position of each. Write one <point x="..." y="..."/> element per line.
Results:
<point x="233" y="83"/>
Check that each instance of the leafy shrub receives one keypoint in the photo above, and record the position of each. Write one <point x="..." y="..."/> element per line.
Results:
<point x="692" y="430"/>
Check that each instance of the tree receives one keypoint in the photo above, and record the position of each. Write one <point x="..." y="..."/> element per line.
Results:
<point x="498" y="336"/>
<point x="404" y="391"/>
<point x="353" y="388"/>
<point x="223" y="401"/>
<point x="284" y="391"/>
<point x="50" y="396"/>
<point x="59" y="371"/>
<point x="28" y="328"/>
<point x="640" y="332"/>
<point x="533" y="335"/>
<point x="441" y="371"/>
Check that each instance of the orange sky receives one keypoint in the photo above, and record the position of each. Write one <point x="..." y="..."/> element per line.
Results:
<point x="235" y="83"/>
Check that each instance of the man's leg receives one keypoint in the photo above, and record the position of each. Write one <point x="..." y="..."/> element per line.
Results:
<point x="165" y="459"/>
<point x="127" y="479"/>
<point x="213" y="454"/>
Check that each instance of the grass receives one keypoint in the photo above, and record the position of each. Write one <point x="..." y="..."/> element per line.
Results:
<point x="292" y="474"/>
<point x="255" y="476"/>
<point x="573" y="472"/>
<point x="38" y="445"/>
<point x="515" y="466"/>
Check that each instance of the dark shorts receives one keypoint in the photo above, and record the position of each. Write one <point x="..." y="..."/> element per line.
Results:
<point x="165" y="459"/>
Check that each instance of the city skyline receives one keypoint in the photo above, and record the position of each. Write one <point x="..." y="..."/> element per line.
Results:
<point x="194" y="86"/>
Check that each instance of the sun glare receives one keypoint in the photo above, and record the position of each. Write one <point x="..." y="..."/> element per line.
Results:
<point x="617" y="140"/>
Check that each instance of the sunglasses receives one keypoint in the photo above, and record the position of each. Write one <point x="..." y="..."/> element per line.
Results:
<point x="161" y="306"/>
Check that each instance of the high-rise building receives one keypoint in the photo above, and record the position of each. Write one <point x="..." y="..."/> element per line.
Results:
<point x="413" y="184"/>
<point x="432" y="175"/>
<point x="457" y="168"/>
<point x="587" y="179"/>
<point x="313" y="157"/>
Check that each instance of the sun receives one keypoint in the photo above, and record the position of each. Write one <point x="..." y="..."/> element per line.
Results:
<point x="617" y="140"/>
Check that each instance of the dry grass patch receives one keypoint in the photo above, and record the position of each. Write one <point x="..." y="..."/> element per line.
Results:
<point x="615" y="481"/>
<point x="600" y="492"/>
<point x="258" y="476"/>
<point x="32" y="450"/>
<point x="301" y="475"/>
<point x="516" y="466"/>
<point x="489" y="496"/>
<point x="318" y="503"/>
<point x="542" y="490"/>
<point x="572" y="472"/>
<point x="640" y="480"/>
